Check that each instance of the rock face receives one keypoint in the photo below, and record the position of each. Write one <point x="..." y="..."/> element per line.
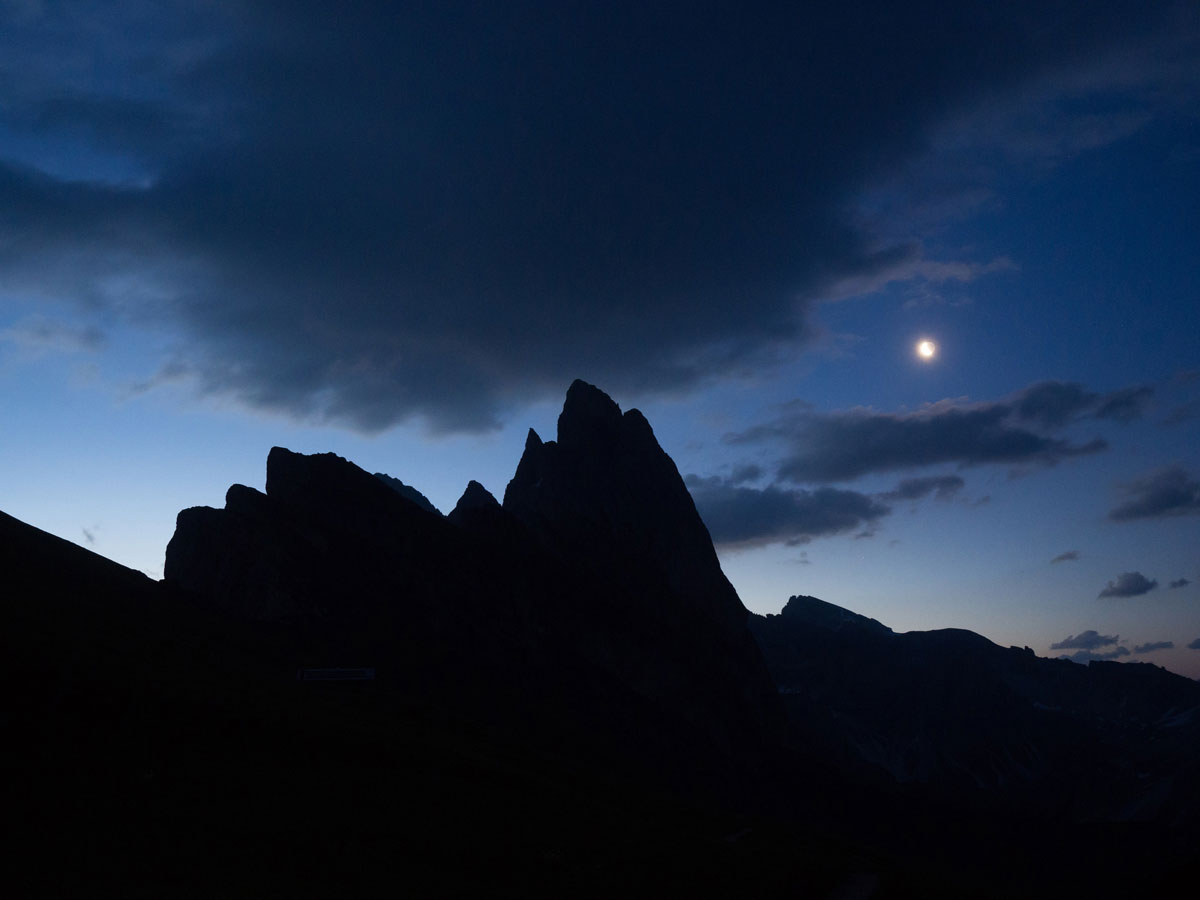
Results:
<point x="408" y="492"/>
<point x="652" y="605"/>
<point x="607" y="483"/>
<point x="475" y="503"/>
<point x="589" y="607"/>
<point x="326" y="540"/>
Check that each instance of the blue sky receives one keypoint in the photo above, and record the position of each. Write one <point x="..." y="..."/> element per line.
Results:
<point x="400" y="234"/>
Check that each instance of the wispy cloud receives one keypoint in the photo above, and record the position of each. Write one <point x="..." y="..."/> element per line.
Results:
<point x="942" y="487"/>
<point x="743" y="517"/>
<point x="1168" y="491"/>
<point x="1066" y="556"/>
<point x="1154" y="645"/>
<point x="1085" y="640"/>
<point x="1129" y="584"/>
<point x="1018" y="430"/>
<point x="1086" y="656"/>
<point x="39" y="334"/>
<point x="1088" y="646"/>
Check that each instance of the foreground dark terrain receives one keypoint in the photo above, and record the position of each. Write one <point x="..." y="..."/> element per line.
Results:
<point x="557" y="694"/>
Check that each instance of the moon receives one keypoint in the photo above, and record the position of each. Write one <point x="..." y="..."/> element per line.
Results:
<point x="926" y="349"/>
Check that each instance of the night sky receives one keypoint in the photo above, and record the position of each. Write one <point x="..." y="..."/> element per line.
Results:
<point x="399" y="231"/>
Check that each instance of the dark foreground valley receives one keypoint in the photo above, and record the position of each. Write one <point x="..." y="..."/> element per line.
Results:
<point x="338" y="691"/>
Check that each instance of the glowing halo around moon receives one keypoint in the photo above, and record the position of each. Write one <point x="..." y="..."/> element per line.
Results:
<point x="926" y="349"/>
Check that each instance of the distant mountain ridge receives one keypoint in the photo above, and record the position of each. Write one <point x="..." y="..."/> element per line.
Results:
<point x="952" y="711"/>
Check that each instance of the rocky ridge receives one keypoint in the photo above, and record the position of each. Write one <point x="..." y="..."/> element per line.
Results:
<point x="590" y="600"/>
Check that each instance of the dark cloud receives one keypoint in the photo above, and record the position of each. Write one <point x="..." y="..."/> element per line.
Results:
<point x="943" y="487"/>
<point x="1187" y="406"/>
<point x="1154" y="645"/>
<point x="742" y="474"/>
<point x="363" y="213"/>
<point x="1053" y="404"/>
<point x="841" y="446"/>
<point x="739" y="516"/>
<point x="114" y="123"/>
<point x="41" y="334"/>
<point x="1065" y="557"/>
<point x="1184" y="412"/>
<point x="1168" y="491"/>
<point x="1086" y="656"/>
<point x="1085" y="640"/>
<point x="1124" y="405"/>
<point x="1129" y="584"/>
<point x="1179" y="583"/>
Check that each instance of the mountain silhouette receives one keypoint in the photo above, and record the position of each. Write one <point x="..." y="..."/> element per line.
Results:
<point x="589" y="609"/>
<point x="337" y="689"/>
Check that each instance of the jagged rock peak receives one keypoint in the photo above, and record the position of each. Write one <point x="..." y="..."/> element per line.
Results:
<point x="245" y="501"/>
<point x="813" y="611"/>
<point x="476" y="496"/>
<point x="290" y="474"/>
<point x="326" y="481"/>
<point x="606" y="483"/>
<point x="589" y="418"/>
<point x="408" y="492"/>
<point x="239" y="495"/>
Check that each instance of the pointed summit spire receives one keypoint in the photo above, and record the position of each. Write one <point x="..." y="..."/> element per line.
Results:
<point x="589" y="417"/>
<point x="606" y="483"/>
